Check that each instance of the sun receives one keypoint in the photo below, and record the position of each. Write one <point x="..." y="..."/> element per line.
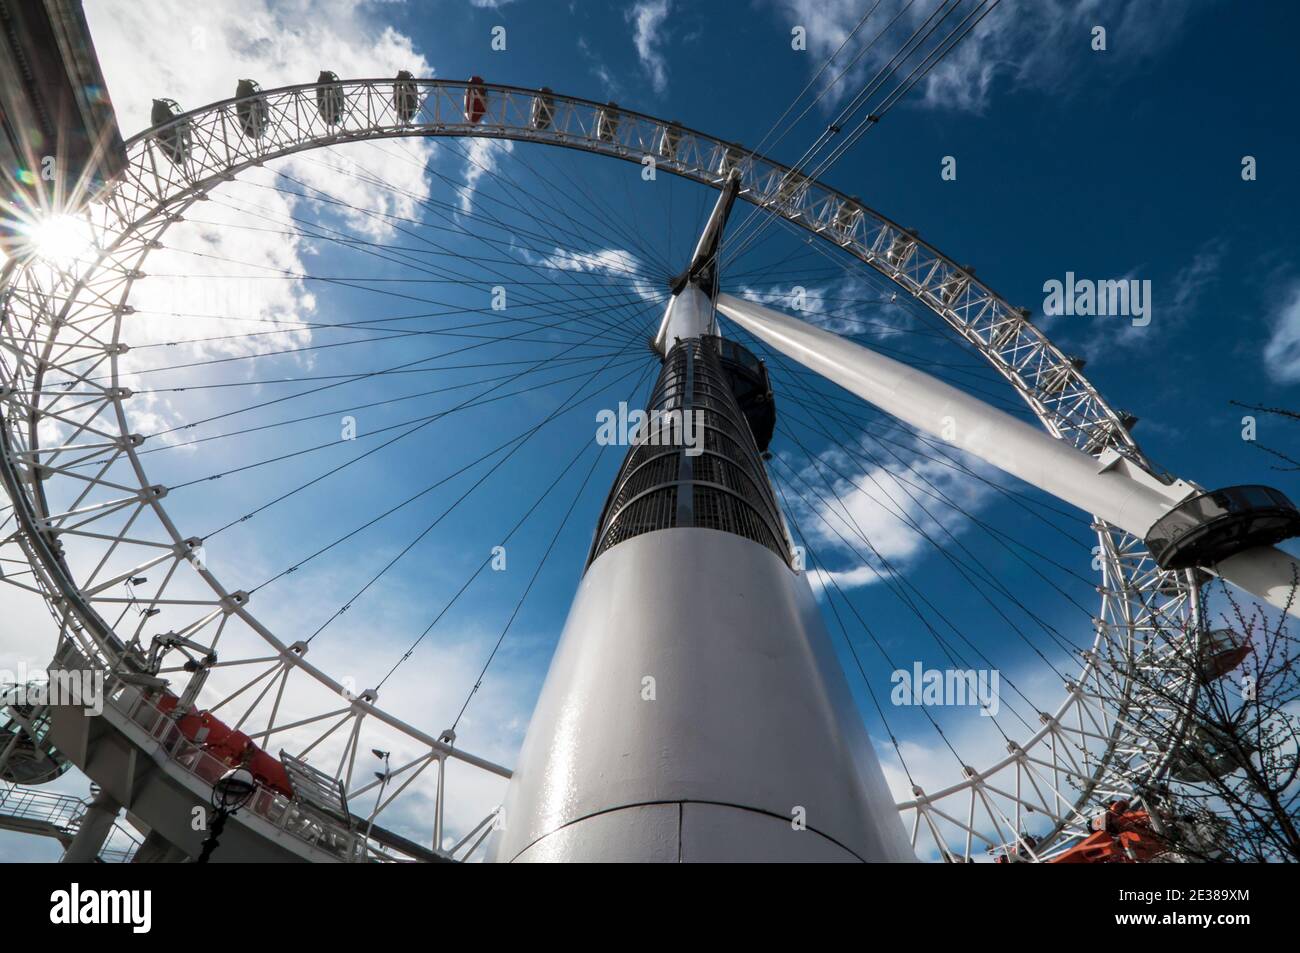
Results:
<point x="59" y="239"/>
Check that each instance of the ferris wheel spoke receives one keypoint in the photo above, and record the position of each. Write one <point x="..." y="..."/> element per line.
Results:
<point x="608" y="218"/>
<point x="414" y="422"/>
<point x="455" y="224"/>
<point x="351" y="379"/>
<point x="337" y="412"/>
<point x="594" y="224"/>
<point x="970" y="568"/>
<point x="852" y="445"/>
<point x="898" y="584"/>
<point x="514" y="445"/>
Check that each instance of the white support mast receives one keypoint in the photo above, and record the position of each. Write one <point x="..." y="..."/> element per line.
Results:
<point x="694" y="709"/>
<point x="1229" y="533"/>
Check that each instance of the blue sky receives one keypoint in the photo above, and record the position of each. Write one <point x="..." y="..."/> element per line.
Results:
<point x="1122" y="163"/>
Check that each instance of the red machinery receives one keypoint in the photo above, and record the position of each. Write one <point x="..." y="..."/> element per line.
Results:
<point x="1121" y="835"/>
<point x="231" y="747"/>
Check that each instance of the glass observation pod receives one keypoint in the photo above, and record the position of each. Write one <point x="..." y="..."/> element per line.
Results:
<point x="176" y="141"/>
<point x="1057" y="378"/>
<point x="32" y="760"/>
<point x="791" y="189"/>
<point x="901" y="249"/>
<point x="543" y="109"/>
<point x="607" y="121"/>
<point x="252" y="111"/>
<point x="476" y="100"/>
<point x="848" y="214"/>
<point x="954" y="286"/>
<point x="1211" y="753"/>
<point x="1223" y="651"/>
<point x="670" y="140"/>
<point x="1208" y="528"/>
<point x="406" y="96"/>
<point x="731" y="158"/>
<point x="330" y="101"/>
<point x="1101" y="434"/>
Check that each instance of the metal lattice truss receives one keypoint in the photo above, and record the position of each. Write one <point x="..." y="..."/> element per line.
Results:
<point x="87" y="521"/>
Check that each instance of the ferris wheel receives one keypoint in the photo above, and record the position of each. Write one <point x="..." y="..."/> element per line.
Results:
<point x="203" y="673"/>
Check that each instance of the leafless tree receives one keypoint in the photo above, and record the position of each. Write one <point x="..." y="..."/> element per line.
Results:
<point x="1233" y="793"/>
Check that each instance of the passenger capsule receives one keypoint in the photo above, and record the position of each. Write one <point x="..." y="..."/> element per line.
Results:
<point x="175" y="142"/>
<point x="950" y="291"/>
<point x="791" y="189"/>
<point x="848" y="214"/>
<point x="670" y="140"/>
<point x="607" y="121"/>
<point x="330" y="101"/>
<point x="475" y="99"/>
<point x="900" y="250"/>
<point x="543" y="109"/>
<point x="1210" y="753"/>
<point x="1223" y="651"/>
<point x="731" y="158"/>
<point x="406" y="96"/>
<point x="251" y="109"/>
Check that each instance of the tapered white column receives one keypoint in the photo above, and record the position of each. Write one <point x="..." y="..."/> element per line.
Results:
<point x="1116" y="492"/>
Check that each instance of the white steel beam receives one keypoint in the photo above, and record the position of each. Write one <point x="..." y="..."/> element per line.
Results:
<point x="1112" y="489"/>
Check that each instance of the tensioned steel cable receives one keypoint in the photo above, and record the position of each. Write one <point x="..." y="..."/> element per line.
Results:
<point x="424" y="204"/>
<point x="612" y="221"/>
<point x="902" y="514"/>
<point x="414" y="429"/>
<point x="953" y="655"/>
<point x="476" y="402"/>
<point x="429" y="527"/>
<point x="593" y="226"/>
<point x="971" y="572"/>
<point x="823" y="573"/>
<point x="873" y="117"/>
<point x="822" y="408"/>
<point x="887" y="445"/>
<point x="519" y="604"/>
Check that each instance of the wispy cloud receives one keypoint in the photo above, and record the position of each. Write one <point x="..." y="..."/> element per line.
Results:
<point x="248" y="229"/>
<point x="647" y="18"/>
<point x="608" y="83"/>
<point x="1282" y="352"/>
<point x="481" y="159"/>
<point x="879" y="517"/>
<point x="1028" y="43"/>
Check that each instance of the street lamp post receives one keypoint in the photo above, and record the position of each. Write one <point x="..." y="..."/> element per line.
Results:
<point x="231" y="792"/>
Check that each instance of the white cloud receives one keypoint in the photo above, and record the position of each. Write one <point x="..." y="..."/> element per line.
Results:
<point x="647" y="18"/>
<point x="195" y="54"/>
<point x="852" y="307"/>
<point x="1027" y="42"/>
<point x="608" y="84"/>
<point x="481" y="159"/>
<point x="893" y="505"/>
<point x="618" y="263"/>
<point x="1282" y="352"/>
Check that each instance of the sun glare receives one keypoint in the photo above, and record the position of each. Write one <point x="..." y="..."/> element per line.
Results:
<point x="59" y="239"/>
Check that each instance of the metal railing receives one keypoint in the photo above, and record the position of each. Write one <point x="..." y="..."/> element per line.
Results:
<point x="63" y="813"/>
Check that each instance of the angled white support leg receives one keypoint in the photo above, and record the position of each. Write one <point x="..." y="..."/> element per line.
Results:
<point x="1115" y="491"/>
